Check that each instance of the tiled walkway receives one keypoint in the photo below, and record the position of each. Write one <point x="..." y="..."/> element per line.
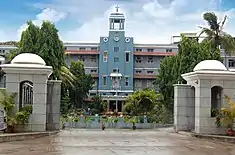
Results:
<point x="116" y="142"/>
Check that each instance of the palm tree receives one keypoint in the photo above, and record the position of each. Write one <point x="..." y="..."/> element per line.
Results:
<point x="66" y="76"/>
<point x="142" y="102"/>
<point x="215" y="34"/>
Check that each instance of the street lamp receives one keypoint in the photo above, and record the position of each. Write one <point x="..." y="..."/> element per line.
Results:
<point x="116" y="78"/>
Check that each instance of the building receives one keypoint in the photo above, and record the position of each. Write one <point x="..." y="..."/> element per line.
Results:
<point x="119" y="65"/>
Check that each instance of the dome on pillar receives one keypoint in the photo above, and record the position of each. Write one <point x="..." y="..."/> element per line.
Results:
<point x="28" y="58"/>
<point x="210" y="65"/>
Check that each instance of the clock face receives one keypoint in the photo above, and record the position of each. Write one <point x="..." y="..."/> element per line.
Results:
<point x="116" y="38"/>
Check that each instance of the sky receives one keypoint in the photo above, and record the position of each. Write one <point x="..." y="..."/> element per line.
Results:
<point x="148" y="21"/>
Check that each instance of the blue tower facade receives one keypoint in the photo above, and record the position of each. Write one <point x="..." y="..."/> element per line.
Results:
<point x="116" y="66"/>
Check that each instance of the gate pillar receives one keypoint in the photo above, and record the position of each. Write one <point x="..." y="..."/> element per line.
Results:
<point x="27" y="76"/>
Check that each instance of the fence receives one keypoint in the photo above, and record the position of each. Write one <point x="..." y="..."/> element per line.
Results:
<point x="95" y="122"/>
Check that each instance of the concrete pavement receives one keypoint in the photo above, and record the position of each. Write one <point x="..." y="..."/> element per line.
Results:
<point x="116" y="142"/>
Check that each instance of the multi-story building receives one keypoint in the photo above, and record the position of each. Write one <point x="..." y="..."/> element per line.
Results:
<point x="119" y="65"/>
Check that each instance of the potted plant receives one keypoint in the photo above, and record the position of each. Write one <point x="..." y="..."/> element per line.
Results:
<point x="12" y="119"/>
<point x="11" y="123"/>
<point x="103" y="126"/>
<point x="227" y="116"/>
<point x="7" y="102"/>
<point x="133" y="120"/>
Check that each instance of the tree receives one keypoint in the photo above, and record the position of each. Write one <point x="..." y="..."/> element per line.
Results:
<point x="141" y="102"/>
<point x="45" y="42"/>
<point x="190" y="53"/>
<point x="97" y="105"/>
<point x="82" y="84"/>
<point x="215" y="34"/>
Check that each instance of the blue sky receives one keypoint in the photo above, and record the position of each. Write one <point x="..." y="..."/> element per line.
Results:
<point x="148" y="21"/>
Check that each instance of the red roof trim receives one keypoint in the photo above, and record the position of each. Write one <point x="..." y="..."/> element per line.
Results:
<point x="156" y="53"/>
<point x="83" y="52"/>
<point x="145" y="76"/>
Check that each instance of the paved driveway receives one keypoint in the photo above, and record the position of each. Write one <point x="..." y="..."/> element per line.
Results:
<point x="116" y="142"/>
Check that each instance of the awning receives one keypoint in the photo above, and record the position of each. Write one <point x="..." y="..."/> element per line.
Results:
<point x="115" y="75"/>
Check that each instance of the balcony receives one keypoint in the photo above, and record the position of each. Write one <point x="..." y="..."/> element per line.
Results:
<point x="82" y="52"/>
<point x="145" y="76"/>
<point x="155" y="53"/>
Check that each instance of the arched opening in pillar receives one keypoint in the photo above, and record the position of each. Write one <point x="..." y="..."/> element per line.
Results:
<point x="26" y="94"/>
<point x="216" y="100"/>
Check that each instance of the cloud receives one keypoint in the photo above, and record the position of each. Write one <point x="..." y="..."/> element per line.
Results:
<point x="153" y="22"/>
<point x="47" y="14"/>
<point x="148" y="21"/>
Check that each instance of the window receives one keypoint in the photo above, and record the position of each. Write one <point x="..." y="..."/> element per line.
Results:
<point x="138" y="71"/>
<point x="93" y="71"/>
<point x="65" y="48"/>
<point x="105" y="56"/>
<point x="138" y="59"/>
<point x="150" y="50"/>
<point x="139" y="50"/>
<point x="94" y="48"/>
<point x="231" y="63"/>
<point x="127" y="57"/>
<point x="82" y="58"/>
<point x="169" y="50"/>
<point x="126" y="81"/>
<point x="104" y="80"/>
<point x="116" y="59"/>
<point x="150" y="59"/>
<point x="115" y="70"/>
<point x="93" y="58"/>
<point x="138" y="83"/>
<point x="149" y="72"/>
<point x="82" y="48"/>
<point x="116" y="49"/>
<point x="149" y="83"/>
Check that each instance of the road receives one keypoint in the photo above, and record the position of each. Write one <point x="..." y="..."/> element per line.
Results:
<point x="116" y="142"/>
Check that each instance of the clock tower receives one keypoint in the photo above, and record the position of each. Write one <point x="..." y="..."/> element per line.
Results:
<point x="116" y="57"/>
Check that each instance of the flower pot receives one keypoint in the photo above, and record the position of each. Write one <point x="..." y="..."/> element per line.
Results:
<point x="10" y="129"/>
<point x="133" y="126"/>
<point x="103" y="126"/>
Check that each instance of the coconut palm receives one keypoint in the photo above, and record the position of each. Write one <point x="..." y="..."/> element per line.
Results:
<point x="216" y="35"/>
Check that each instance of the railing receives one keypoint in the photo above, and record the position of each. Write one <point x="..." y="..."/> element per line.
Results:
<point x="95" y="122"/>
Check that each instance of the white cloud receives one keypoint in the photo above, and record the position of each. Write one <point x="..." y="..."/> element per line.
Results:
<point x="153" y="23"/>
<point x="148" y="21"/>
<point x="46" y="15"/>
